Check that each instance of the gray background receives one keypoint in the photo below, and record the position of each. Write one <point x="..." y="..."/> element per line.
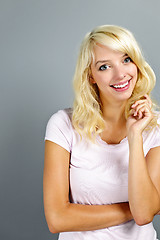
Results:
<point x="39" y="41"/>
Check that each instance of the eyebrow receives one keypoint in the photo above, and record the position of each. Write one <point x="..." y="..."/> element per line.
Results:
<point x="102" y="61"/>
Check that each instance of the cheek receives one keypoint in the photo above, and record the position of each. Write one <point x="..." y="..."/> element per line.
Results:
<point x="96" y="77"/>
<point x="135" y="75"/>
<point x="101" y="79"/>
<point x="134" y="70"/>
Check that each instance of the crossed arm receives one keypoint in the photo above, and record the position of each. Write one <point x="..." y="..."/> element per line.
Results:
<point x="143" y="181"/>
<point x="63" y="216"/>
<point x="144" y="177"/>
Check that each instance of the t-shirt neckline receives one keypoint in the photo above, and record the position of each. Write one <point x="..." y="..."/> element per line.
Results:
<point x="103" y="143"/>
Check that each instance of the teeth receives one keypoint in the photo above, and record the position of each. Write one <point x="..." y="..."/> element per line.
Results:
<point x="121" y="86"/>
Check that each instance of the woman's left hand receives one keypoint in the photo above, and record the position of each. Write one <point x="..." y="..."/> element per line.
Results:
<point x="141" y="115"/>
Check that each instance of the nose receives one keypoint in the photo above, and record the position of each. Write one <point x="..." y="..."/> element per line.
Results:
<point x="119" y="73"/>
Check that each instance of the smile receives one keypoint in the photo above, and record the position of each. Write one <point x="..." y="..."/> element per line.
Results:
<point x="121" y="87"/>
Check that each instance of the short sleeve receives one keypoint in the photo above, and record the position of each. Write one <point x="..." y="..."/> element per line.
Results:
<point x="59" y="130"/>
<point x="156" y="134"/>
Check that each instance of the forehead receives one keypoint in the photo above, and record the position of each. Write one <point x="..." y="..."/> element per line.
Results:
<point x="101" y="52"/>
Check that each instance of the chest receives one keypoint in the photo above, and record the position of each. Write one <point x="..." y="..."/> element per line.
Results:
<point x="113" y="135"/>
<point x="99" y="174"/>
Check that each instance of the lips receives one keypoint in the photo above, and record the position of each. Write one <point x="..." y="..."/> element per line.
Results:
<point x="124" y="87"/>
<point x="120" y="83"/>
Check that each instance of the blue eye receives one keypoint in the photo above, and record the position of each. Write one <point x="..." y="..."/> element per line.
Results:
<point x="127" y="60"/>
<point x="103" y="67"/>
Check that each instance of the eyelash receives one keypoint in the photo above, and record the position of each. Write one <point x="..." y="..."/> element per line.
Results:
<point x="130" y="60"/>
<point x="105" y="65"/>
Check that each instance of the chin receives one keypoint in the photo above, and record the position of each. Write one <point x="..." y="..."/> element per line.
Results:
<point x="124" y="97"/>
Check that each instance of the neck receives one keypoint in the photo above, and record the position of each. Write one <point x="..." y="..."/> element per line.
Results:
<point x="113" y="113"/>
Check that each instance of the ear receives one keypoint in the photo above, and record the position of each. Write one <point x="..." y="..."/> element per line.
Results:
<point x="90" y="77"/>
<point x="91" y="80"/>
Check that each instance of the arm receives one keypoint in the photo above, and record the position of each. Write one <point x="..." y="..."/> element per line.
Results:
<point x="63" y="216"/>
<point x="144" y="177"/>
<point x="144" y="181"/>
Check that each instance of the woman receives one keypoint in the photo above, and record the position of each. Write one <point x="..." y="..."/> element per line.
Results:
<point x="102" y="164"/>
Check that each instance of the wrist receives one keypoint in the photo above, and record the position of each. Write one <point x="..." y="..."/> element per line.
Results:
<point x="126" y="210"/>
<point x="134" y="139"/>
<point x="134" y="135"/>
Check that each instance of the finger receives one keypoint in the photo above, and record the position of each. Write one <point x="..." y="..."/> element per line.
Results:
<point x="149" y="100"/>
<point x="138" y="108"/>
<point x="143" y="111"/>
<point x="132" y="111"/>
<point x="140" y="114"/>
<point x="139" y="102"/>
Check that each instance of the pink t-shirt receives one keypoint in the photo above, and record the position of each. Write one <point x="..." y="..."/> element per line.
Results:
<point x="99" y="175"/>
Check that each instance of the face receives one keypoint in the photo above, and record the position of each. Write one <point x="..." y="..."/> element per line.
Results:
<point x="114" y="73"/>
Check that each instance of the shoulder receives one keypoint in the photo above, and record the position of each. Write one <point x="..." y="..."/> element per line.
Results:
<point x="63" y="114"/>
<point x="157" y="114"/>
<point x="61" y="117"/>
<point x="59" y="128"/>
<point x="156" y="129"/>
<point x="157" y="124"/>
<point x="152" y="137"/>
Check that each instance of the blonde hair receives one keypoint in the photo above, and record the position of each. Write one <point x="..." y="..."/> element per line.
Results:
<point x="87" y="118"/>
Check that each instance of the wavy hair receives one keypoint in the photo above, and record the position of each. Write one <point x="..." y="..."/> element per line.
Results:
<point x="87" y="117"/>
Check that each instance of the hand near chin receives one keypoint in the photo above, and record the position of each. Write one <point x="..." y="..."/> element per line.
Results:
<point x="140" y="117"/>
